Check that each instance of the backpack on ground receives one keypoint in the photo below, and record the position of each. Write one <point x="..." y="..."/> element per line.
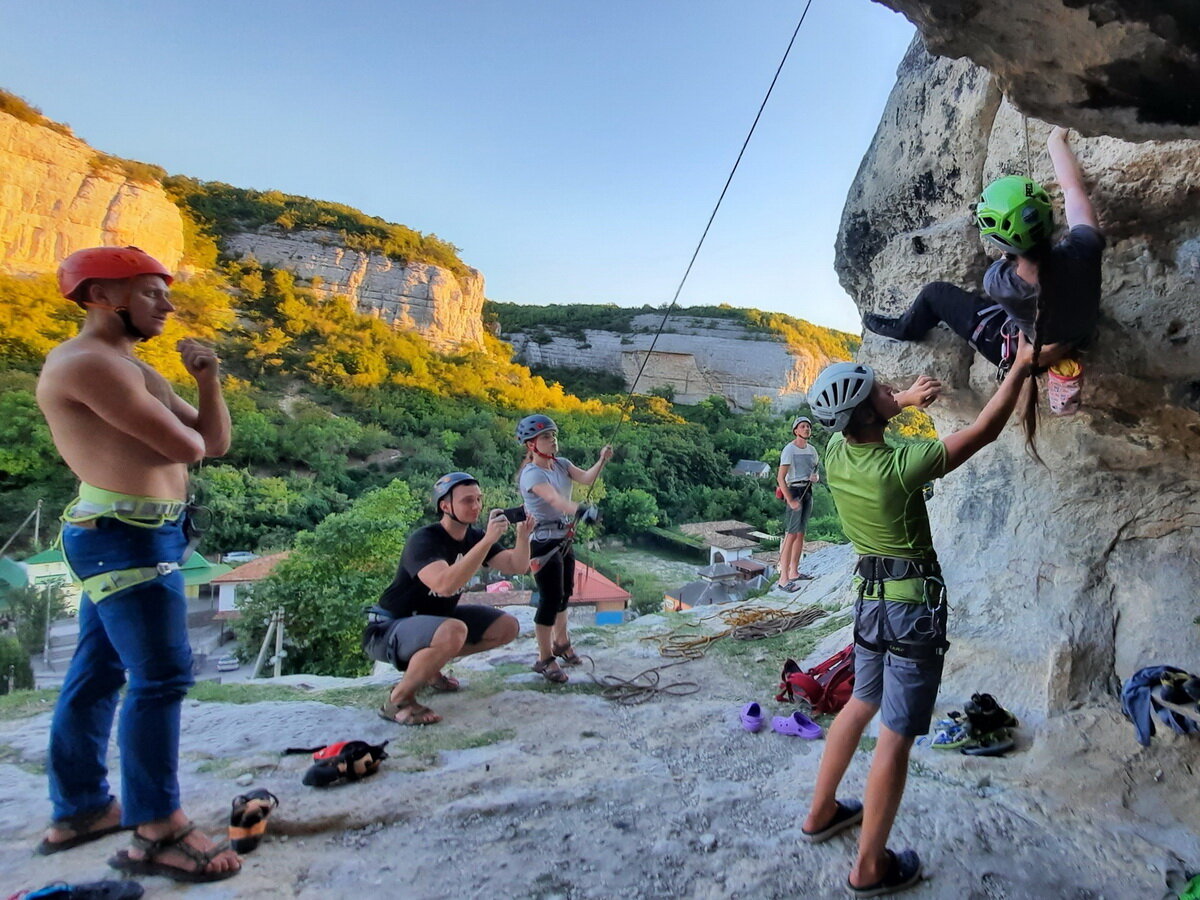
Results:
<point x="826" y="686"/>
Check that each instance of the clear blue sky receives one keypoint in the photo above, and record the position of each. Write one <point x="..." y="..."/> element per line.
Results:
<point x="571" y="148"/>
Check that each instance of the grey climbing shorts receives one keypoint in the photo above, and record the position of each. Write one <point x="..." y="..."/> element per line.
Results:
<point x="795" y="521"/>
<point x="396" y="641"/>
<point x="904" y="689"/>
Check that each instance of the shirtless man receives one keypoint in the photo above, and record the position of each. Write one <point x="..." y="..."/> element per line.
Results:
<point x="129" y="438"/>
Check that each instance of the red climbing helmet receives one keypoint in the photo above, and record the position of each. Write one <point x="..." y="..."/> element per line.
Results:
<point x="111" y="263"/>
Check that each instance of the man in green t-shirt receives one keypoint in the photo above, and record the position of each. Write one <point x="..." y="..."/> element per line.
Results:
<point x="900" y="616"/>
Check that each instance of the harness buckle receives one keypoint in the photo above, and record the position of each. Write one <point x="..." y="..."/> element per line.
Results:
<point x="166" y="568"/>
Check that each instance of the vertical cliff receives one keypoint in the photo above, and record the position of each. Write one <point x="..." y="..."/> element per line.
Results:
<point x="57" y="195"/>
<point x="1066" y="578"/>
<point x="447" y="309"/>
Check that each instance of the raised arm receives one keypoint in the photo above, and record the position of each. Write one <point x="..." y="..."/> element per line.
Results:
<point x="1076" y="203"/>
<point x="447" y="579"/>
<point x="589" y="476"/>
<point x="964" y="444"/>
<point x="212" y="419"/>
<point x="516" y="560"/>
<point x="563" y="504"/>
<point x="115" y="390"/>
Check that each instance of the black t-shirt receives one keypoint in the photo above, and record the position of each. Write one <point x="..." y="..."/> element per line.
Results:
<point x="1069" y="283"/>
<point x="408" y="595"/>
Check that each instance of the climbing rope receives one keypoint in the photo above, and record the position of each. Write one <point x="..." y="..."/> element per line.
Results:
<point x="745" y="624"/>
<point x="643" y="686"/>
<point x="695" y="253"/>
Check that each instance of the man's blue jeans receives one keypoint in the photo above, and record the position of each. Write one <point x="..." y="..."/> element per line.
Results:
<point x="142" y="629"/>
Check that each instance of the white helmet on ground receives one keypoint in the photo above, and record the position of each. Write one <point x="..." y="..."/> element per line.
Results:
<point x="838" y="390"/>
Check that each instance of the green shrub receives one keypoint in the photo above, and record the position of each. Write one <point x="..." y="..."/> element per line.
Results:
<point x="14" y="665"/>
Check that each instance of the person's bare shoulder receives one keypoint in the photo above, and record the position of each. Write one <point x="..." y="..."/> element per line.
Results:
<point x="77" y="365"/>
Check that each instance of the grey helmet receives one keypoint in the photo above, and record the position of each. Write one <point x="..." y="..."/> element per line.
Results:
<point x="448" y="482"/>
<point x="838" y="390"/>
<point x="800" y="420"/>
<point x="531" y="426"/>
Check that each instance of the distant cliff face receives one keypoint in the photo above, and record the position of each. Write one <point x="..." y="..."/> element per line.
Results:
<point x="699" y="357"/>
<point x="56" y="198"/>
<point x="444" y="308"/>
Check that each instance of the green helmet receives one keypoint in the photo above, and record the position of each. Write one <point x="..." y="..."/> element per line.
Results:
<point x="1014" y="213"/>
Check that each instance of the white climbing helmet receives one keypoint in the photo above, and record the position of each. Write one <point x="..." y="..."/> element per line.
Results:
<point x="838" y="390"/>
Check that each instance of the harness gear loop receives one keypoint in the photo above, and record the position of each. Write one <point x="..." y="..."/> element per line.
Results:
<point x="874" y="572"/>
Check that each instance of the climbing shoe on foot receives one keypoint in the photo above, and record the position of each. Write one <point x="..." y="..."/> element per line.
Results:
<point x="884" y="325"/>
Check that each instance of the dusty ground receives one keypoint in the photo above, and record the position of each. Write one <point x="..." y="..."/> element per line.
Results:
<point x="530" y="792"/>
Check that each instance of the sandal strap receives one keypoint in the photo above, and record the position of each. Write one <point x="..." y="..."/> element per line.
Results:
<point x="200" y="858"/>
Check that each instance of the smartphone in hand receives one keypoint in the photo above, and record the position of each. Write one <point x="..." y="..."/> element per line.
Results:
<point x="515" y="514"/>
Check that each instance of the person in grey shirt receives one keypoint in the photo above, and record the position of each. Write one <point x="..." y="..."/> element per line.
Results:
<point x="797" y="474"/>
<point x="545" y="482"/>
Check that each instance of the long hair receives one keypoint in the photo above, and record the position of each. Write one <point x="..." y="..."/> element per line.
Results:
<point x="1040" y="255"/>
<point x="526" y="461"/>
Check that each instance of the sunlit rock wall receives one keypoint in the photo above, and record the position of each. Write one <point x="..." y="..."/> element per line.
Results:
<point x="57" y="196"/>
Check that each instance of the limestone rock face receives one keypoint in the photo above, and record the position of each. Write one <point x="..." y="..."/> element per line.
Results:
<point x="1125" y="68"/>
<point x="1064" y="579"/>
<point x="443" y="307"/>
<point x="698" y="357"/>
<point x="56" y="198"/>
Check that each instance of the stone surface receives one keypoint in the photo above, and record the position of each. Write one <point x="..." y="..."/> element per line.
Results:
<point x="441" y="306"/>
<point x="524" y="791"/>
<point x="698" y="357"/>
<point x="55" y="198"/>
<point x="1066" y="578"/>
<point x="1126" y="68"/>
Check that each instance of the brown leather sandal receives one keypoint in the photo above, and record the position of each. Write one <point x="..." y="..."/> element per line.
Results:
<point x="566" y="653"/>
<point x="548" y="669"/>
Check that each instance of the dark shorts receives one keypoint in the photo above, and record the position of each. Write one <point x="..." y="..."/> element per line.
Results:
<point x="904" y="689"/>
<point x="395" y="641"/>
<point x="796" y="520"/>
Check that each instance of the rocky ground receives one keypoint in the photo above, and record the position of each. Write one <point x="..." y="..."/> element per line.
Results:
<point x="528" y="791"/>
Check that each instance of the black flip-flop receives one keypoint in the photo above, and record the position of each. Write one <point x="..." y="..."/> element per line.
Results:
<point x="903" y="871"/>
<point x="845" y="815"/>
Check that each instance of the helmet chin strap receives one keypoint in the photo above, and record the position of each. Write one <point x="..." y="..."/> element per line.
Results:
<point x="532" y="445"/>
<point x="450" y="511"/>
<point x="123" y="314"/>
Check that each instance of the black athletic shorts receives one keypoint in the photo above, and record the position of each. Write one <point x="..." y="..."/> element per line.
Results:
<point x="395" y="641"/>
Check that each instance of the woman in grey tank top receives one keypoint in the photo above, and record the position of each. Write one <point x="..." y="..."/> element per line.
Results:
<point x="545" y="481"/>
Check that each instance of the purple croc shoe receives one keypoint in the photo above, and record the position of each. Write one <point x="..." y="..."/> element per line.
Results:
<point x="752" y="717"/>
<point x="798" y="725"/>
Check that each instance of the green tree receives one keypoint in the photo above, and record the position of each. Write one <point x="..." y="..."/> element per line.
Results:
<point x="335" y="571"/>
<point x="629" y="512"/>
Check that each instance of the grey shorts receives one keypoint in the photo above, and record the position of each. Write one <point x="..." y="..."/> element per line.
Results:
<point x="397" y="640"/>
<point x="904" y="689"/>
<point x="796" y="520"/>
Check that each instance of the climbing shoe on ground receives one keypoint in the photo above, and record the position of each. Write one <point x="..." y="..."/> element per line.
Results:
<point x="995" y="743"/>
<point x="92" y="890"/>
<point x="950" y="733"/>
<point x="248" y="819"/>
<point x="986" y="715"/>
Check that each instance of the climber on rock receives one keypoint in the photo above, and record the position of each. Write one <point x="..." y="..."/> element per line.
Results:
<point x="1048" y="291"/>
<point x="900" y="614"/>
<point x="419" y="625"/>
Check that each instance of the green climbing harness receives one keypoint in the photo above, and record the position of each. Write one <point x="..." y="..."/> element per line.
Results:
<point x="140" y="512"/>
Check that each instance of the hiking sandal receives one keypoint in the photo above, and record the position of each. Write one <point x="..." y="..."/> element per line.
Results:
<point x="416" y="713"/>
<point x="445" y="684"/>
<point x="123" y="862"/>
<point x="79" y="825"/>
<point x="248" y="819"/>
<point x="548" y="669"/>
<point x="566" y="653"/>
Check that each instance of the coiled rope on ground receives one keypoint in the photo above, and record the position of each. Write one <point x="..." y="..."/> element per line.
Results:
<point x="744" y="624"/>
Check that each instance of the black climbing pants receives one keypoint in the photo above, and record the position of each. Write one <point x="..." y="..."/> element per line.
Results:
<point x="940" y="301"/>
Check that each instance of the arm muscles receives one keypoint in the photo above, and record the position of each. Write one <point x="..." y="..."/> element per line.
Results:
<point x="965" y="443"/>
<point x="117" y="394"/>
<point x="555" y="499"/>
